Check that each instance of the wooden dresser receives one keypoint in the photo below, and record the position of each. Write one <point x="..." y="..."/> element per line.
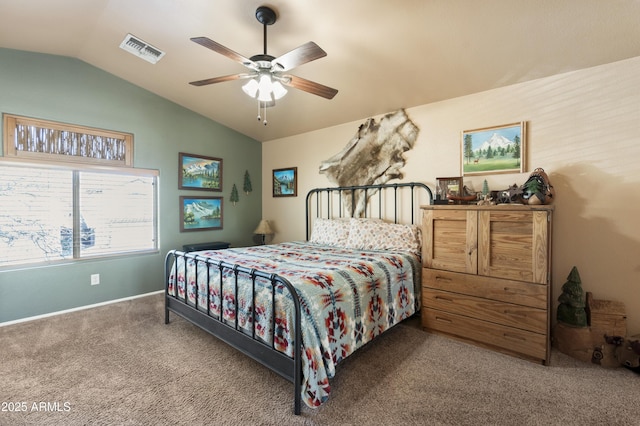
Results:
<point x="486" y="276"/>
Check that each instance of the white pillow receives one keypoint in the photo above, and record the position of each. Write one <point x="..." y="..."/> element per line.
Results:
<point x="332" y="232"/>
<point x="377" y="235"/>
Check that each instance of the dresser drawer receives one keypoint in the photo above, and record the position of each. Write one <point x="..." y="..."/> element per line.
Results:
<point x="527" y="343"/>
<point x="516" y="292"/>
<point x="518" y="316"/>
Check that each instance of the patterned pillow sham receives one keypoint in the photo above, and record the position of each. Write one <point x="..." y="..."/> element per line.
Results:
<point x="378" y="235"/>
<point x="332" y="232"/>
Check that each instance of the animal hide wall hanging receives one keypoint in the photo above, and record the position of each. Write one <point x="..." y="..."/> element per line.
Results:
<point x="373" y="156"/>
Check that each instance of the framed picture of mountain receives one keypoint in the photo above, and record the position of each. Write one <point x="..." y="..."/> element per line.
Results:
<point x="199" y="172"/>
<point x="497" y="149"/>
<point x="285" y="182"/>
<point x="200" y="213"/>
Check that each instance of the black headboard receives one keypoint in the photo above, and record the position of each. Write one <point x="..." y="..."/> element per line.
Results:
<point x="345" y="201"/>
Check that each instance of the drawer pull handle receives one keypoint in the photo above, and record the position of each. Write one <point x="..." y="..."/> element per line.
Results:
<point x="512" y="337"/>
<point x="444" y="320"/>
<point x="514" y="291"/>
<point x="439" y="278"/>
<point x="446" y="299"/>
<point x="515" y="313"/>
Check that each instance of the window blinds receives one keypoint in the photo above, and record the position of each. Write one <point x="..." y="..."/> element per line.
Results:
<point x="51" y="214"/>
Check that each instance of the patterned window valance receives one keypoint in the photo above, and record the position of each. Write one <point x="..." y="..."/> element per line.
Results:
<point x="29" y="138"/>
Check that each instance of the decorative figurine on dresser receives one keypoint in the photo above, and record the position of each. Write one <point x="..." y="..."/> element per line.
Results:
<point x="486" y="276"/>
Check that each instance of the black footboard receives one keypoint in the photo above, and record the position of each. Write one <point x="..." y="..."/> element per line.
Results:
<point x="264" y="353"/>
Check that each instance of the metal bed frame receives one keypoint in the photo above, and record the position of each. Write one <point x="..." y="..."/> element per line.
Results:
<point x="288" y="367"/>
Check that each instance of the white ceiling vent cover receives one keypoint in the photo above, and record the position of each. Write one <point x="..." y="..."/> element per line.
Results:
<point x="141" y="49"/>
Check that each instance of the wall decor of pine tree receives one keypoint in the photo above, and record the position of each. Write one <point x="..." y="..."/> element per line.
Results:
<point x="247" y="183"/>
<point x="234" y="195"/>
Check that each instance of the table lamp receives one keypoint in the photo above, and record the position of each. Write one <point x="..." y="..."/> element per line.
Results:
<point x="263" y="230"/>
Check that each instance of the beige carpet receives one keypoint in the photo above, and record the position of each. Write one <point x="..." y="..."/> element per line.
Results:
<point x="121" y="365"/>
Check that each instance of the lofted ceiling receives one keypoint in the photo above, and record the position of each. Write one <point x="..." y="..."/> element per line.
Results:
<point x="381" y="55"/>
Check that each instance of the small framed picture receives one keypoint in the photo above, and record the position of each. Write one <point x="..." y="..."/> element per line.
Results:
<point x="199" y="172"/>
<point x="200" y="213"/>
<point x="448" y="188"/>
<point x="285" y="182"/>
<point x="498" y="149"/>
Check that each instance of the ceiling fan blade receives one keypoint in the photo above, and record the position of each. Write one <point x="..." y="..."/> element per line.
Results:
<point x="222" y="79"/>
<point x="300" y="55"/>
<point x="309" y="86"/>
<point x="217" y="47"/>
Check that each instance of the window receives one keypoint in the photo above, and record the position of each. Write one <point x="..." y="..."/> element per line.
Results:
<point x="52" y="213"/>
<point x="34" y="139"/>
<point x="70" y="192"/>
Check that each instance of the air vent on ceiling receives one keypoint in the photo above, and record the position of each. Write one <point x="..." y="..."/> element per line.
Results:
<point x="141" y="49"/>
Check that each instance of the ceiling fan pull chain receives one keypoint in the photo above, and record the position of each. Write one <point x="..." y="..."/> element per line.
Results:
<point x="265" y="113"/>
<point x="259" y="118"/>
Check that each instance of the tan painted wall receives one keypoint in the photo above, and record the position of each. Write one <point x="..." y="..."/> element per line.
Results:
<point x="583" y="129"/>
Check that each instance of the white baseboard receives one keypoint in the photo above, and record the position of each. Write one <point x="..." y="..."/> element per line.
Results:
<point x="80" y="308"/>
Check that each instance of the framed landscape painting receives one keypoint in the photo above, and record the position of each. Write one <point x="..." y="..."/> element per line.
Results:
<point x="200" y="213"/>
<point x="285" y="182"/>
<point x="199" y="172"/>
<point x="498" y="149"/>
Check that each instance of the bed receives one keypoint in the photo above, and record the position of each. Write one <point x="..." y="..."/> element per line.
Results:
<point x="301" y="307"/>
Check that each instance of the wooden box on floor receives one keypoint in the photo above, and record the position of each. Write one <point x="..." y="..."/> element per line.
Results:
<point x="588" y="344"/>
<point x="606" y="317"/>
<point x="573" y="341"/>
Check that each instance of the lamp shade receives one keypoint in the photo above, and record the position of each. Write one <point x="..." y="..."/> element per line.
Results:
<point x="264" y="228"/>
<point x="251" y="88"/>
<point x="278" y="90"/>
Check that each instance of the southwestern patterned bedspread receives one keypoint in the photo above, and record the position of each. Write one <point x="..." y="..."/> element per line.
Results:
<point x="348" y="297"/>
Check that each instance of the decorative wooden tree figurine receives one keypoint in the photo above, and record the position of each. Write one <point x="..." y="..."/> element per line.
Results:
<point x="234" y="195"/>
<point x="572" y="336"/>
<point x="485" y="188"/>
<point x="571" y="310"/>
<point x="247" y="183"/>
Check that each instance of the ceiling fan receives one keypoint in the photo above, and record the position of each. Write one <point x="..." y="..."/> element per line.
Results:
<point x="268" y="74"/>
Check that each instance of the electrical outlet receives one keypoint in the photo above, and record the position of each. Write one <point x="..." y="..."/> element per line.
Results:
<point x="95" y="279"/>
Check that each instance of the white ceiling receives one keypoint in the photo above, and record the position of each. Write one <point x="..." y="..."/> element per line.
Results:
<point x="382" y="55"/>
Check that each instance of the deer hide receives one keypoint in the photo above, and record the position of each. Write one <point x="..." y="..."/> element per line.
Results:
<point x="373" y="156"/>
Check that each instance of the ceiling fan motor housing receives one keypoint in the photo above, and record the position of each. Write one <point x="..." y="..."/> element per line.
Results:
<point x="265" y="15"/>
<point x="262" y="58"/>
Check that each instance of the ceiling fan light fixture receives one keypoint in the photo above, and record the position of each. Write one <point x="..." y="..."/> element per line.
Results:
<point x="278" y="90"/>
<point x="264" y="96"/>
<point x="251" y="88"/>
<point x="264" y="89"/>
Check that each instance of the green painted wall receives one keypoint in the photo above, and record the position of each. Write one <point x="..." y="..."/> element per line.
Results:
<point x="71" y="91"/>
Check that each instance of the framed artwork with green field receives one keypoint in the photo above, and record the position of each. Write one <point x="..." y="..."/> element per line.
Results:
<point x="497" y="149"/>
